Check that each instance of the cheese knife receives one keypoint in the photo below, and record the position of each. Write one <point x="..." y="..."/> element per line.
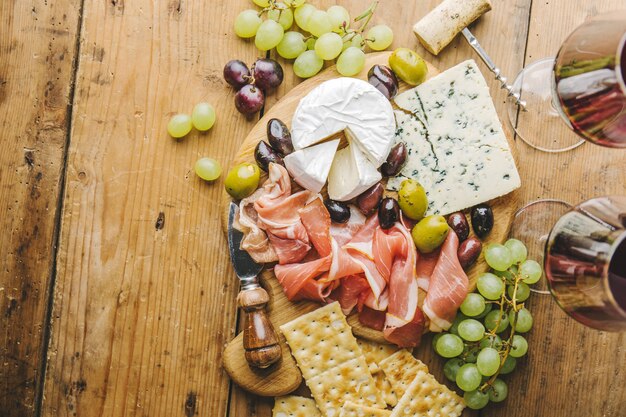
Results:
<point x="260" y="342"/>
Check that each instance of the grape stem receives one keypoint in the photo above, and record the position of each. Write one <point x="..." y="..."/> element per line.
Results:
<point x="513" y="307"/>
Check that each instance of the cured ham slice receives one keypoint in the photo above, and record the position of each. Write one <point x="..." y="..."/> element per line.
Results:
<point x="349" y="292"/>
<point x="372" y="318"/>
<point x="294" y="277"/>
<point x="278" y="215"/>
<point x="316" y="221"/>
<point x="255" y="240"/>
<point x="424" y="269"/>
<point x="448" y="286"/>
<point x="344" y="232"/>
<point x="407" y="335"/>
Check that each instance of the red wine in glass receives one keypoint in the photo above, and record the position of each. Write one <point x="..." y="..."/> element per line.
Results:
<point x="585" y="263"/>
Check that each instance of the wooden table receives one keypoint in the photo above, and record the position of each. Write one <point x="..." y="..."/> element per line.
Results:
<point x="116" y="293"/>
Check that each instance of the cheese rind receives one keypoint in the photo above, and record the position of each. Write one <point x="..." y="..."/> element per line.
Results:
<point x="350" y="174"/>
<point x="346" y="104"/>
<point x="309" y="167"/>
<point x="456" y="145"/>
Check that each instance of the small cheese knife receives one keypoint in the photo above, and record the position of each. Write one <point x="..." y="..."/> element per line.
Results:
<point x="259" y="338"/>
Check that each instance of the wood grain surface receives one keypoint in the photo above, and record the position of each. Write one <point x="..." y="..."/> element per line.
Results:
<point x="37" y="50"/>
<point x="144" y="297"/>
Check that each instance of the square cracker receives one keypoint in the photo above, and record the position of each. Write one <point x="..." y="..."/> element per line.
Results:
<point x="350" y="381"/>
<point x="351" y="409"/>
<point x="400" y="369"/>
<point x="375" y="352"/>
<point x="294" y="406"/>
<point x="321" y="340"/>
<point x="385" y="388"/>
<point x="425" y="397"/>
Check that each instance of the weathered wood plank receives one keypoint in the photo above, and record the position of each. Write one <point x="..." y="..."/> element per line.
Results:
<point x="571" y="370"/>
<point x="145" y="297"/>
<point x="502" y="32"/>
<point x="37" y="49"/>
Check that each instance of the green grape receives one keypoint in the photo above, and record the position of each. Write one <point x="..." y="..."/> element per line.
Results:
<point x="498" y="391"/>
<point x="490" y="286"/>
<point x="492" y="319"/>
<point x="338" y="17"/>
<point x="269" y="34"/>
<point x="508" y="365"/>
<point x="318" y="23"/>
<point x="379" y="37"/>
<point x="328" y="46"/>
<point x="449" y="346"/>
<point x="310" y="44"/>
<point x="522" y="294"/>
<point x="473" y="305"/>
<point x="357" y="41"/>
<point x="203" y="116"/>
<point x="491" y="341"/>
<point x="498" y="257"/>
<point x="351" y="62"/>
<point x="291" y="46"/>
<point x="488" y="307"/>
<point x="179" y="125"/>
<point x="302" y="14"/>
<point x="451" y="367"/>
<point x="471" y="330"/>
<point x="282" y="14"/>
<point x="509" y="274"/>
<point x="208" y="169"/>
<point x="519" y="346"/>
<point x="454" y="329"/>
<point x="469" y="354"/>
<point x="488" y="361"/>
<point x="468" y="378"/>
<point x="247" y="23"/>
<point x="436" y="337"/>
<point x="294" y="3"/>
<point x="476" y="399"/>
<point x="524" y="320"/>
<point x="261" y="3"/>
<point x="530" y="271"/>
<point x="307" y="64"/>
<point x="517" y="249"/>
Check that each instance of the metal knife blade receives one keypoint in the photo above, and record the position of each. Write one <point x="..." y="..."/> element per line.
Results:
<point x="245" y="267"/>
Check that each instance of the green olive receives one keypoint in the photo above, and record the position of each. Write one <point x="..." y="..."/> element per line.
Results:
<point x="412" y="199"/>
<point x="408" y="65"/>
<point x="430" y="233"/>
<point x="242" y="180"/>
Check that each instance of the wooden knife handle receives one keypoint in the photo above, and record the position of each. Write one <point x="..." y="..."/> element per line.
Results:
<point x="259" y="338"/>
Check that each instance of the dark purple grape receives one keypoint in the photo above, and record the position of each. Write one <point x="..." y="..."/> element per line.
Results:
<point x="268" y="74"/>
<point x="339" y="212"/>
<point x="384" y="80"/>
<point x="279" y="136"/>
<point x="264" y="154"/>
<point x="395" y="160"/>
<point x="236" y="73"/>
<point x="249" y="99"/>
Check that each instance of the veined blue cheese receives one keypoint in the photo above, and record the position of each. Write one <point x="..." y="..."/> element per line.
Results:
<point x="456" y="146"/>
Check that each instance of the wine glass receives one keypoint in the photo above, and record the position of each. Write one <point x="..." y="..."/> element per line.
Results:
<point x="584" y="257"/>
<point x="585" y="86"/>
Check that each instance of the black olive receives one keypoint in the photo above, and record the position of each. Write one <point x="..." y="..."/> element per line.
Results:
<point x="482" y="220"/>
<point x="264" y="154"/>
<point x="388" y="213"/>
<point x="395" y="160"/>
<point x="458" y="222"/>
<point x="279" y="137"/>
<point x="339" y="212"/>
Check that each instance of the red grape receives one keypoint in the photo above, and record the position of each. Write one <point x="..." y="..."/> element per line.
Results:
<point x="268" y="74"/>
<point x="236" y="73"/>
<point x="249" y="99"/>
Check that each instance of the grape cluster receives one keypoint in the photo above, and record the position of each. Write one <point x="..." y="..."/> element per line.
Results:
<point x="484" y="341"/>
<point x="324" y="35"/>
<point x="252" y="84"/>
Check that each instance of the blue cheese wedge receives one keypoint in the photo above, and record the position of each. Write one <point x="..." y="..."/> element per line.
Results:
<point x="456" y="146"/>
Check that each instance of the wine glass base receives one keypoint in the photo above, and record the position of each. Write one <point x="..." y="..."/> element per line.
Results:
<point x="540" y="124"/>
<point x="532" y="225"/>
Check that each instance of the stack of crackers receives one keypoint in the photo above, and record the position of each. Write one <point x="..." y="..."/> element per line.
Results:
<point x="354" y="378"/>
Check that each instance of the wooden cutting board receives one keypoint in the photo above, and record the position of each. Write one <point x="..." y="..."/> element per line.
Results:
<point x="285" y="377"/>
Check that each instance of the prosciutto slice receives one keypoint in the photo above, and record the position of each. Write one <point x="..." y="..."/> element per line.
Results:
<point x="448" y="286"/>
